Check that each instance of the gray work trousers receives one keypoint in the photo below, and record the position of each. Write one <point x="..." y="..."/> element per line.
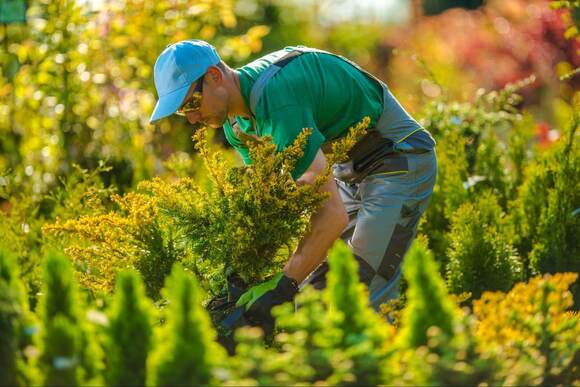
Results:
<point x="384" y="211"/>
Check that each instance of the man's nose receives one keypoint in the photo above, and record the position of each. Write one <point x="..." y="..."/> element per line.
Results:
<point x="193" y="117"/>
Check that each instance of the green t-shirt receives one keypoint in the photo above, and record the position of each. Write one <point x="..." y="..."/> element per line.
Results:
<point x="315" y="90"/>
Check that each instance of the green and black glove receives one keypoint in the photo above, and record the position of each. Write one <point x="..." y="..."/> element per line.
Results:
<point x="260" y="299"/>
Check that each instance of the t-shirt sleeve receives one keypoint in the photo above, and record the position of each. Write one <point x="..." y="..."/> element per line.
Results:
<point x="285" y="124"/>
<point x="237" y="144"/>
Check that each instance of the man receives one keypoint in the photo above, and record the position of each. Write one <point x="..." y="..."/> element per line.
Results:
<point x="376" y="199"/>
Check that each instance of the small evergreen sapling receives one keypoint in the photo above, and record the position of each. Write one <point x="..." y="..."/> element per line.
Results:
<point x="60" y="359"/>
<point x="16" y="325"/>
<point x="448" y="194"/>
<point x="69" y="353"/>
<point x="468" y="131"/>
<point x="480" y="254"/>
<point x="334" y="337"/>
<point x="491" y="163"/>
<point x="310" y="339"/>
<point x="545" y="217"/>
<point x="186" y="352"/>
<point x="364" y="336"/>
<point x="428" y="304"/>
<point x="435" y="345"/>
<point x="258" y="365"/>
<point x="129" y="334"/>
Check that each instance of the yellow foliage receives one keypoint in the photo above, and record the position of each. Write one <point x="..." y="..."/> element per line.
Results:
<point x="254" y="213"/>
<point x="533" y="323"/>
<point x="246" y="221"/>
<point x="102" y="245"/>
<point x="501" y="315"/>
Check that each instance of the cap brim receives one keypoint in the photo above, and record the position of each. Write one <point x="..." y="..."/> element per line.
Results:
<point x="168" y="104"/>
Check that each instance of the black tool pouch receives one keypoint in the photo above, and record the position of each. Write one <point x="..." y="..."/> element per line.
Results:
<point x="365" y="158"/>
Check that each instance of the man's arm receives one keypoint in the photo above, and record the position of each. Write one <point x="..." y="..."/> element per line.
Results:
<point x="326" y="225"/>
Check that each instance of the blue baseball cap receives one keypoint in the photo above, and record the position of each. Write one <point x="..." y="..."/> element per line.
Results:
<point x="176" y="68"/>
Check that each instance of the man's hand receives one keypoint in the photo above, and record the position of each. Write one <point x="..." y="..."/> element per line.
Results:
<point x="260" y="299"/>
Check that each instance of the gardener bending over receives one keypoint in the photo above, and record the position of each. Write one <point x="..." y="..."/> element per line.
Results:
<point x="376" y="199"/>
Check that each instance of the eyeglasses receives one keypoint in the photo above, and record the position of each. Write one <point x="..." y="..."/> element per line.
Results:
<point x="194" y="102"/>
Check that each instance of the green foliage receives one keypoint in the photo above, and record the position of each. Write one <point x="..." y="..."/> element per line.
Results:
<point x="186" y="352"/>
<point x="428" y="304"/>
<point x="80" y="88"/>
<point x="16" y="324"/>
<point x="59" y="361"/>
<point x="555" y="239"/>
<point x="524" y="337"/>
<point x="363" y="334"/>
<point x="490" y="163"/>
<point x="255" y="364"/>
<point x="461" y="361"/>
<point x="471" y="154"/>
<point x="544" y="214"/>
<point x="480" y="254"/>
<point x="435" y="345"/>
<point x="129" y="335"/>
<point x="490" y="110"/>
<point x="310" y="341"/>
<point x="69" y="353"/>
<point x="448" y="193"/>
<point x="334" y="337"/>
<point x="518" y="151"/>
<point x="77" y="88"/>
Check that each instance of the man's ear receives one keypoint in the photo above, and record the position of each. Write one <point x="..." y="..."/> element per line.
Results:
<point x="214" y="74"/>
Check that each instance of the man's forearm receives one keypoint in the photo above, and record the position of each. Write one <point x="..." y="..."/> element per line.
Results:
<point x="326" y="225"/>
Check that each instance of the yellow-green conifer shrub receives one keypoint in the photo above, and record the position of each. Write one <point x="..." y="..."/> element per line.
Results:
<point x="134" y="236"/>
<point x="252" y="215"/>
<point x="364" y="336"/>
<point x="185" y="351"/>
<point x="69" y="354"/>
<point x="466" y="133"/>
<point x="255" y="364"/>
<point x="129" y="333"/>
<point x="480" y="254"/>
<point x="531" y="329"/>
<point x="59" y="362"/>
<point x="435" y="344"/>
<point x="334" y="337"/>
<point x="310" y="341"/>
<point x="492" y="163"/>
<point x="16" y="325"/>
<point x="448" y="193"/>
<point x="546" y="218"/>
<point x="518" y="151"/>
<point x="428" y="303"/>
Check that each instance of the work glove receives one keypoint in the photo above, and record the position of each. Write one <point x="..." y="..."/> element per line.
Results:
<point x="259" y="300"/>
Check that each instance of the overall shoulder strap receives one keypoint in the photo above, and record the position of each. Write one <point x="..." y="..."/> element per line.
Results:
<point x="262" y="81"/>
